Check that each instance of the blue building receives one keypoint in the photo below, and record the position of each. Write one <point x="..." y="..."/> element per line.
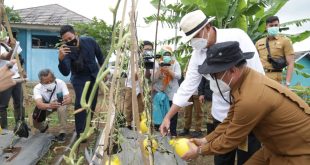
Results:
<point x="38" y="32"/>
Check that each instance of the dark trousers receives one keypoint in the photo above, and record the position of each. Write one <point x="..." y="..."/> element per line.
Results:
<point x="242" y="156"/>
<point x="80" y="118"/>
<point x="16" y="92"/>
<point x="173" y="123"/>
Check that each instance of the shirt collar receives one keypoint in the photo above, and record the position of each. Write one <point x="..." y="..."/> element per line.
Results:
<point x="236" y="87"/>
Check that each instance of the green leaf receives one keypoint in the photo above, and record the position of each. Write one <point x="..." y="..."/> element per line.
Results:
<point x="252" y="10"/>
<point x="298" y="23"/>
<point x="305" y="75"/>
<point x="298" y="66"/>
<point x="231" y="12"/>
<point x="299" y="37"/>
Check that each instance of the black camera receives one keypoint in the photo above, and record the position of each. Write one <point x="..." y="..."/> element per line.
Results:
<point x="72" y="42"/>
<point x="149" y="58"/>
<point x="164" y="64"/>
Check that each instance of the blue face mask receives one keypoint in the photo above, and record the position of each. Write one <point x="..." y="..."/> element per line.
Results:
<point x="273" y="31"/>
<point x="167" y="59"/>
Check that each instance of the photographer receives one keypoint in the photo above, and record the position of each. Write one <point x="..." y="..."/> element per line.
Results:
<point x="147" y="51"/>
<point x="82" y="57"/>
<point x="167" y="74"/>
<point x="51" y="95"/>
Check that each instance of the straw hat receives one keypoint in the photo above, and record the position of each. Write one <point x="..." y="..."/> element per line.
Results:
<point x="192" y="23"/>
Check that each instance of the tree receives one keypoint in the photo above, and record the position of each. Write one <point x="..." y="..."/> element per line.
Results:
<point x="248" y="15"/>
<point x="13" y="15"/>
<point x="99" y="30"/>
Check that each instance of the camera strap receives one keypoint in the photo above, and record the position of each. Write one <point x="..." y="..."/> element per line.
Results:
<point x="268" y="48"/>
<point x="52" y="92"/>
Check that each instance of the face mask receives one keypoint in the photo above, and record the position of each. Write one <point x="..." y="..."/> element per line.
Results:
<point x="223" y="87"/>
<point x="273" y="31"/>
<point x="167" y="59"/>
<point x="49" y="87"/>
<point x="199" y="43"/>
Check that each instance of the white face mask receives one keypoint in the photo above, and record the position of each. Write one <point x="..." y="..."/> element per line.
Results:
<point x="224" y="87"/>
<point x="50" y="86"/>
<point x="199" y="43"/>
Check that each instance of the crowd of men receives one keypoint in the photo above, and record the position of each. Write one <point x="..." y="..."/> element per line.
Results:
<point x="251" y="112"/>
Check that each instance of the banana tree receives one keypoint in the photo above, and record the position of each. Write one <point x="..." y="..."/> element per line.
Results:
<point x="249" y="15"/>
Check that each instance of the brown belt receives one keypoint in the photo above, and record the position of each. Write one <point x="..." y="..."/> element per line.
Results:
<point x="273" y="70"/>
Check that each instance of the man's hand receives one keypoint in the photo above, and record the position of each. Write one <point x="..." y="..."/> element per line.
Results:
<point x="67" y="100"/>
<point x="6" y="80"/>
<point x="202" y="99"/>
<point x="12" y="43"/>
<point x="198" y="141"/>
<point x="54" y="105"/>
<point x="165" y="127"/>
<point x="192" y="153"/>
<point x="63" y="51"/>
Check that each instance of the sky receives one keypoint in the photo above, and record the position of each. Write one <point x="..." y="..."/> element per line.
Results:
<point x="294" y="9"/>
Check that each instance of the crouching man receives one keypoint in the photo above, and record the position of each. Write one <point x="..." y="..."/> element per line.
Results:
<point x="50" y="95"/>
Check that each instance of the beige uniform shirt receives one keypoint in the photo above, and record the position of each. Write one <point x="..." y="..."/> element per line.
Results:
<point x="278" y="117"/>
<point x="279" y="46"/>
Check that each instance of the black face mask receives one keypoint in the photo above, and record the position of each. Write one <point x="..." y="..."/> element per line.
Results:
<point x="72" y="42"/>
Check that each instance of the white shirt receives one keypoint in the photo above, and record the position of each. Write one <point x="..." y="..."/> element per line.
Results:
<point x="128" y="81"/>
<point x="192" y="79"/>
<point x="40" y="92"/>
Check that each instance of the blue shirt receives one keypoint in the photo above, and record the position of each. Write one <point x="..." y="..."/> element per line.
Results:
<point x="89" y="51"/>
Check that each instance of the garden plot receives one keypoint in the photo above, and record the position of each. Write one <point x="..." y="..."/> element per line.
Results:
<point x="130" y="153"/>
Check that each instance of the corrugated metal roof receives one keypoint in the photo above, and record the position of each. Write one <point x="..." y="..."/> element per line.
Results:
<point x="52" y="14"/>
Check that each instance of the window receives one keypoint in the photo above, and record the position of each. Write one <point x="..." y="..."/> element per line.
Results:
<point x="44" y="42"/>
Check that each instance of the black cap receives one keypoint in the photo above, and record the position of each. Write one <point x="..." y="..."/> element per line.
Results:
<point x="222" y="56"/>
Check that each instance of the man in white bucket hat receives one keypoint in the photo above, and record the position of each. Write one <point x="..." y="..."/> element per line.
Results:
<point x="201" y="34"/>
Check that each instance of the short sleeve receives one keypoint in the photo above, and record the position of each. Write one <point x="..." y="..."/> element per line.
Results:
<point x="36" y="93"/>
<point x="288" y="47"/>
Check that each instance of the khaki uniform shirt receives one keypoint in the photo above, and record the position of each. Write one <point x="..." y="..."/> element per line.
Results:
<point x="279" y="46"/>
<point x="278" y="117"/>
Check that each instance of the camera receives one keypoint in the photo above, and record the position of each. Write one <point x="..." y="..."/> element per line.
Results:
<point x="73" y="49"/>
<point x="148" y="59"/>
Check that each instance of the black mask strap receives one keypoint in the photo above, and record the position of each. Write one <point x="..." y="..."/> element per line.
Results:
<point x="229" y="102"/>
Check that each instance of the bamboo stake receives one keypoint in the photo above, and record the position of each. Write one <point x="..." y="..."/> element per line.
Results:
<point x="108" y="131"/>
<point x="134" y="50"/>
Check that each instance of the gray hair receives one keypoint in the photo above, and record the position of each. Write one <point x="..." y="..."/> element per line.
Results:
<point x="44" y="73"/>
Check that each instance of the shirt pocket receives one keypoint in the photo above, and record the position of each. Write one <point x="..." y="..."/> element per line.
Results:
<point x="279" y="46"/>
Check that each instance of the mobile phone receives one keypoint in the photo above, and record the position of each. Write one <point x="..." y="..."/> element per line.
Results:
<point x="60" y="97"/>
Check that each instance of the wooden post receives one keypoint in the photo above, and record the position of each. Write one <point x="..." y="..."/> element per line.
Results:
<point x="134" y="50"/>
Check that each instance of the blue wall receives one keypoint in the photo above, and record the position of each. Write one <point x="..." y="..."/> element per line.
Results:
<point x="300" y="79"/>
<point x="37" y="59"/>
